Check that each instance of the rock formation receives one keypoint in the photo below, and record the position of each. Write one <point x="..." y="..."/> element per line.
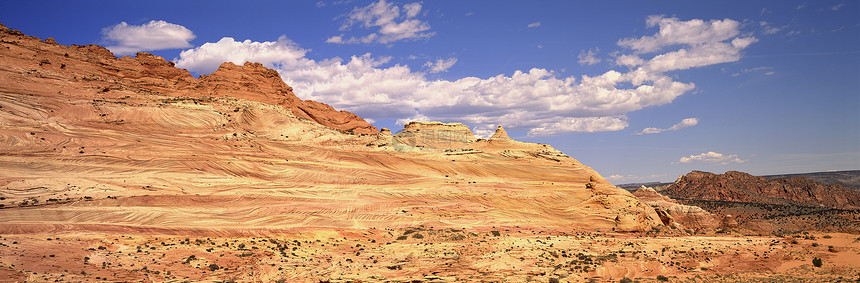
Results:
<point x="742" y="187"/>
<point x="500" y="135"/>
<point x="236" y="153"/>
<point x="673" y="213"/>
<point x="435" y="135"/>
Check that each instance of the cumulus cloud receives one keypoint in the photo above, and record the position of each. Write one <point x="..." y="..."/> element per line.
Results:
<point x="534" y="25"/>
<point x="712" y="157"/>
<point x="588" y="58"/>
<point x="673" y="31"/>
<point x="441" y="65"/>
<point x="686" y="123"/>
<point x="207" y="58"/>
<point x="390" y="23"/>
<point x="537" y="100"/>
<point x="154" y="35"/>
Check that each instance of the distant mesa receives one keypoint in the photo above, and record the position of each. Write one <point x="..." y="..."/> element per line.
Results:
<point x="742" y="187"/>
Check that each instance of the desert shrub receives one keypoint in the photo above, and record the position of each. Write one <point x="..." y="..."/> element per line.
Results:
<point x="662" y="278"/>
<point x="418" y="236"/>
<point x="495" y="233"/>
<point x="817" y="262"/>
<point x="626" y="280"/>
<point x="403" y="237"/>
<point x="213" y="267"/>
<point x="553" y="280"/>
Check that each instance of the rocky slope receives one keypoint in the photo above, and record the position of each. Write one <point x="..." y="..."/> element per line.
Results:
<point x="742" y="187"/>
<point x="90" y="142"/>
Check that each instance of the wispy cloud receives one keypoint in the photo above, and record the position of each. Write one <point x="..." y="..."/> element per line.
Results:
<point x="635" y="178"/>
<point x="534" y="25"/>
<point x="389" y="22"/>
<point x="837" y="7"/>
<point x="712" y="157"/>
<point x="686" y="123"/>
<point x="154" y="35"/>
<point x="768" y="28"/>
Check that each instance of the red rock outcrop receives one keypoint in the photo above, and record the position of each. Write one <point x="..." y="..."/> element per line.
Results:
<point x="46" y="68"/>
<point x="742" y="187"/>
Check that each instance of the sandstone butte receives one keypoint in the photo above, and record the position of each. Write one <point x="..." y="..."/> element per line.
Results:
<point x="100" y="143"/>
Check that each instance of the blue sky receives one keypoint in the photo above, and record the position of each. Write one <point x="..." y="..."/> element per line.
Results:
<point x="638" y="90"/>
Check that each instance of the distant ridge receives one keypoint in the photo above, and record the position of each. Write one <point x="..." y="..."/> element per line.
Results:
<point x="849" y="179"/>
<point x="742" y="187"/>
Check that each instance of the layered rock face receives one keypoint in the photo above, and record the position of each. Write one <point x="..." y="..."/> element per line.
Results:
<point x="435" y="135"/>
<point x="742" y="187"/>
<point x="91" y="142"/>
<point x="46" y="68"/>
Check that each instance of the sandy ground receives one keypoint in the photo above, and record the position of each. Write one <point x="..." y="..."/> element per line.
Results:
<point x="424" y="254"/>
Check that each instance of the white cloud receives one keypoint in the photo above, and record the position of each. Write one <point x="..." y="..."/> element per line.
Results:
<point x="588" y="58"/>
<point x="538" y="100"/>
<point x="154" y="35"/>
<point x="701" y="44"/>
<point x="534" y="25"/>
<point x="390" y="22"/>
<point x="686" y="123"/>
<point x="676" y="32"/>
<point x="206" y="58"/>
<point x="712" y="157"/>
<point x="629" y="60"/>
<point x="441" y="65"/>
